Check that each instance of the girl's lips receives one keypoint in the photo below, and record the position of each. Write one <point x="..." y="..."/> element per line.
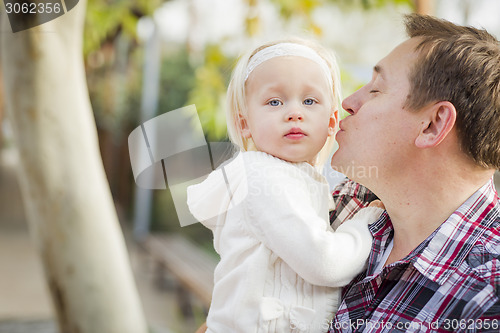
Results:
<point x="295" y="134"/>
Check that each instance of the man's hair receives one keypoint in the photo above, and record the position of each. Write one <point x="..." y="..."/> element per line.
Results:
<point x="461" y="65"/>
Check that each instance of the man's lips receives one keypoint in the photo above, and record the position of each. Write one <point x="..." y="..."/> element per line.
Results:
<point x="341" y="127"/>
<point x="340" y="131"/>
<point x="295" y="133"/>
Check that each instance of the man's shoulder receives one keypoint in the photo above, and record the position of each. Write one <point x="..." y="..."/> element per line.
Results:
<point x="473" y="237"/>
<point x="484" y="257"/>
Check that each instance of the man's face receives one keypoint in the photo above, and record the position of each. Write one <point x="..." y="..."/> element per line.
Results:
<point x="377" y="138"/>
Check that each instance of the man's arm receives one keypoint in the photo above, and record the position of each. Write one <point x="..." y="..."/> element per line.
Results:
<point x="349" y="197"/>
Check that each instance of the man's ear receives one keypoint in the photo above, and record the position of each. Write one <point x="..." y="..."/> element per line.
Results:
<point x="245" y="130"/>
<point x="334" y="120"/>
<point x="438" y="121"/>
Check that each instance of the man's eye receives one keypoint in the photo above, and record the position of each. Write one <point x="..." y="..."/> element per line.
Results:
<point x="309" y="101"/>
<point x="274" y="102"/>
<point x="374" y="91"/>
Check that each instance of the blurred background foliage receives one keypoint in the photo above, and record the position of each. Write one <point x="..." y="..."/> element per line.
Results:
<point x="208" y="93"/>
<point x="106" y="19"/>
<point x="189" y="74"/>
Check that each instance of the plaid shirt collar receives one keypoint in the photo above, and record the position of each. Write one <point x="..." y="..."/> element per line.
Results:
<point x="446" y="248"/>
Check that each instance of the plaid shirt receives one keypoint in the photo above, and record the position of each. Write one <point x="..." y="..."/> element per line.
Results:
<point x="449" y="283"/>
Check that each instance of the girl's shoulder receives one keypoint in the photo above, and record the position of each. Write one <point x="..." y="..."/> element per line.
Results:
<point x="260" y="166"/>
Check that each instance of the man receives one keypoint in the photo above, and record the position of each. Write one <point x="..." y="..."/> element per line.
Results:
<point x="429" y="122"/>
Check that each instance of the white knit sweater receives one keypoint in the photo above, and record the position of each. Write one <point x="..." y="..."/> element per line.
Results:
<point x="281" y="263"/>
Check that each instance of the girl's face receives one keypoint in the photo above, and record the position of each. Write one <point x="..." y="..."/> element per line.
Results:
<point x="290" y="113"/>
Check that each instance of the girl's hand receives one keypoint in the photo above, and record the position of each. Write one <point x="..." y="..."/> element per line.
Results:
<point x="376" y="203"/>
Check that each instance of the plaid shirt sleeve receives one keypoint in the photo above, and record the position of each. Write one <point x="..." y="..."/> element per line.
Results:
<point x="349" y="197"/>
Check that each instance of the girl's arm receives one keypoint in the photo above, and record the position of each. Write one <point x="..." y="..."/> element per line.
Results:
<point x="281" y="214"/>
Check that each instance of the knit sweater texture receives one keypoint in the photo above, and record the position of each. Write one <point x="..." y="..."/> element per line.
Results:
<point x="281" y="263"/>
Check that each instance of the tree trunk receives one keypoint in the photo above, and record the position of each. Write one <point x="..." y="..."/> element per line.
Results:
<point x="1" y="105"/>
<point x="69" y="206"/>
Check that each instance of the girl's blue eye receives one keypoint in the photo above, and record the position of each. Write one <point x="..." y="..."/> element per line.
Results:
<point x="274" y="102"/>
<point x="309" y="101"/>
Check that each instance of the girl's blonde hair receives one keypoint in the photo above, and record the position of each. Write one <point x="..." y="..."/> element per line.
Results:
<point x="236" y="107"/>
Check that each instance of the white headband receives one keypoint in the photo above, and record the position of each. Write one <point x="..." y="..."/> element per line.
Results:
<point x="288" y="49"/>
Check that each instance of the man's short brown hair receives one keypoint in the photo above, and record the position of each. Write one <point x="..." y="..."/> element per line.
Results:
<point x="461" y="65"/>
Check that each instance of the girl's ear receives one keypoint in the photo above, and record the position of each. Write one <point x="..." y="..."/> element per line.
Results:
<point x="334" y="120"/>
<point x="245" y="130"/>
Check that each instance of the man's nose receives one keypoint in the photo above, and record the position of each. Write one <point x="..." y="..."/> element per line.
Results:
<point x="353" y="102"/>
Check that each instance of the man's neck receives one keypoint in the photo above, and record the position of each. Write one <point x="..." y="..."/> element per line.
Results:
<point x="420" y="203"/>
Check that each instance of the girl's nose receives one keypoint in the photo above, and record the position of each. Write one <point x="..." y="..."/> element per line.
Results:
<point x="295" y="115"/>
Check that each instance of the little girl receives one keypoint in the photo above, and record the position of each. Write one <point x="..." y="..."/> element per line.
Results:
<point x="281" y="263"/>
